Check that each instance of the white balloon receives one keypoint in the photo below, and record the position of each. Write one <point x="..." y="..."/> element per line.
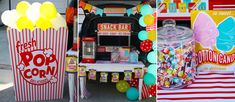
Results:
<point x="58" y="22"/>
<point x="13" y="17"/>
<point x="9" y="18"/>
<point x="5" y="17"/>
<point x="33" y="12"/>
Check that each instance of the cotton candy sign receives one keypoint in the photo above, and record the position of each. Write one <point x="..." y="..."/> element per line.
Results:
<point x="214" y="33"/>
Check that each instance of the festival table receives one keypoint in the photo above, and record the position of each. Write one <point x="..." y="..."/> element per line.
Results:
<point x="107" y="66"/>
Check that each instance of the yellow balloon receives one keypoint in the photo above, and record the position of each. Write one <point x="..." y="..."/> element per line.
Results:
<point x="152" y="35"/>
<point x="43" y="23"/>
<point x="48" y="10"/>
<point x="24" y="22"/>
<point x="149" y="20"/>
<point x="22" y="7"/>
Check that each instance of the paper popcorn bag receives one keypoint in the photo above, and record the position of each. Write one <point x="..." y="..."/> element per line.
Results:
<point x="38" y="63"/>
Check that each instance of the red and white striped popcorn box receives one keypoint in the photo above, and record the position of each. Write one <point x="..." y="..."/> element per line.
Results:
<point x="38" y="63"/>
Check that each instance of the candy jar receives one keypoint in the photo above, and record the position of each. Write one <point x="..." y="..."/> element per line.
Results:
<point x="176" y="56"/>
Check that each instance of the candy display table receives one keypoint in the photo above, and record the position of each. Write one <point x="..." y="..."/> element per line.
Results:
<point x="107" y="66"/>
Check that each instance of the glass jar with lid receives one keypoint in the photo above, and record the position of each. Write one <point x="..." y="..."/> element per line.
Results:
<point x="176" y="57"/>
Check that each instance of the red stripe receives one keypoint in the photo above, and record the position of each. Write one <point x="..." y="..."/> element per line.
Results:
<point x="207" y="87"/>
<point x="214" y="92"/>
<point x="221" y="6"/>
<point x="196" y="98"/>
<point x="23" y="83"/>
<point x="215" y="78"/>
<point x="10" y="33"/>
<point x="219" y="82"/>
<point x="201" y="74"/>
<point x="27" y="86"/>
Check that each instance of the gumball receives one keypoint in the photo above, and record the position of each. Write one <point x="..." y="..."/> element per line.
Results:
<point x="167" y="84"/>
<point x="166" y="51"/>
<point x="132" y="94"/>
<point x="122" y="86"/>
<point x="184" y="76"/>
<point x="189" y="74"/>
<point x="169" y="71"/>
<point x="181" y="73"/>
<point x="176" y="80"/>
<point x="146" y="45"/>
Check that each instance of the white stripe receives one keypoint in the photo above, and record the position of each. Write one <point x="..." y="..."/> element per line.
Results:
<point x="215" y="80"/>
<point x="223" y="5"/>
<point x="212" y="76"/>
<point x="224" y="72"/>
<point x="214" y="100"/>
<point x="196" y="95"/>
<point x="223" y="8"/>
<point x="212" y="84"/>
<point x="196" y="90"/>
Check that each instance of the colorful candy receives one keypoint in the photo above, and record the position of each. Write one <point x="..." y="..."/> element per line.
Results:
<point x="176" y="66"/>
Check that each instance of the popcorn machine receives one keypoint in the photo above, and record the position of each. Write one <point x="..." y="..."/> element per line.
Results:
<point x="88" y="50"/>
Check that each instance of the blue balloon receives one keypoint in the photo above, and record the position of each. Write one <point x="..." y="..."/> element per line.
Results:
<point x="141" y="21"/>
<point x="146" y="9"/>
<point x="149" y="79"/>
<point x="132" y="94"/>
<point x="152" y="56"/>
<point x="143" y="35"/>
<point x="152" y="69"/>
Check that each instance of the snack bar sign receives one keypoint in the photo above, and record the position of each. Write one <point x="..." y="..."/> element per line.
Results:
<point x="114" y="27"/>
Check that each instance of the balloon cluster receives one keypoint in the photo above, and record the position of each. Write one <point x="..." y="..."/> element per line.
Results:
<point x="131" y="92"/>
<point x="148" y="44"/>
<point x="30" y="16"/>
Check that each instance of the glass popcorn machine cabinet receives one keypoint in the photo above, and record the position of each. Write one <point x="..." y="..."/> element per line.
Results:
<point x="88" y="50"/>
<point x="176" y="58"/>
